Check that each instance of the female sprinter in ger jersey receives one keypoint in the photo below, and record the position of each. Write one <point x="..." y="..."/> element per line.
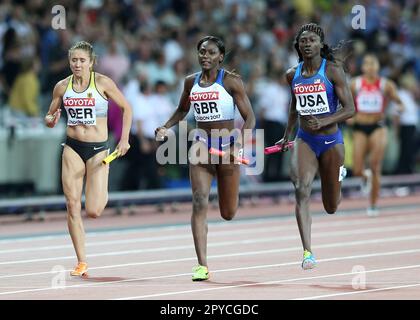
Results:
<point x="85" y="95"/>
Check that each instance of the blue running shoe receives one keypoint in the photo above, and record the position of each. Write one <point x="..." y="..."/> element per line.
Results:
<point x="309" y="261"/>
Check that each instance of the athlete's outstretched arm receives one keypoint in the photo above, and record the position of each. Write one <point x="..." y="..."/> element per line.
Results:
<point x="350" y="121"/>
<point x="183" y="105"/>
<point x="337" y="76"/>
<point x="237" y="90"/>
<point x="181" y="111"/>
<point x="293" y="115"/>
<point x="392" y="93"/>
<point x="54" y="112"/>
<point x="112" y="92"/>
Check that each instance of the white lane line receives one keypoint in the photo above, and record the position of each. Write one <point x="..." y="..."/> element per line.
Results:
<point x="264" y="283"/>
<point x="218" y="224"/>
<point x="360" y="291"/>
<point x="294" y="263"/>
<point x="143" y="239"/>
<point x="143" y="229"/>
<point x="225" y="243"/>
<point x="290" y="249"/>
<point x="149" y="286"/>
<point x="211" y="234"/>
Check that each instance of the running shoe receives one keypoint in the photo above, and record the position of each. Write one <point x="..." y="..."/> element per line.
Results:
<point x="80" y="270"/>
<point x="343" y="174"/>
<point x="308" y="260"/>
<point x="366" y="186"/>
<point x="201" y="273"/>
<point x="372" y="212"/>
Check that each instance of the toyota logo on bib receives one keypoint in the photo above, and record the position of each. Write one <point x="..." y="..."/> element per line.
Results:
<point x="311" y="98"/>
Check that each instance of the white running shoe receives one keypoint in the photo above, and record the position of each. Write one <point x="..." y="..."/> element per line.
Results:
<point x="372" y="212"/>
<point x="366" y="186"/>
<point x="343" y="173"/>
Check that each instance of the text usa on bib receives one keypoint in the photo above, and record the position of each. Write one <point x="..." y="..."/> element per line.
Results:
<point x="311" y="98"/>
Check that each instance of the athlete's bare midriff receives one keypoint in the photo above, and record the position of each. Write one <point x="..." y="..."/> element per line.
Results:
<point x="327" y="130"/>
<point x="368" y="118"/>
<point x="96" y="133"/>
<point x="219" y="125"/>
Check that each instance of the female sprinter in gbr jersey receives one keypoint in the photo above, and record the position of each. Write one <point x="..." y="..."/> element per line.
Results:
<point x="214" y="94"/>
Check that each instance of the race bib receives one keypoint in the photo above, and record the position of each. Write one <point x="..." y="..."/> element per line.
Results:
<point x="206" y="107"/>
<point x="80" y="111"/>
<point x="311" y="99"/>
<point x="369" y="102"/>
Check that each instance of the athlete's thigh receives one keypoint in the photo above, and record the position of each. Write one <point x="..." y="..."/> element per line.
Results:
<point x="96" y="191"/>
<point x="329" y="170"/>
<point x="360" y="150"/>
<point x="304" y="164"/>
<point x="72" y="174"/>
<point x="201" y="176"/>
<point x="377" y="145"/>
<point x="228" y="178"/>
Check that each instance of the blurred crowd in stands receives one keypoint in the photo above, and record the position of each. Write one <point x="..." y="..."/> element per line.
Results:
<point x="148" y="46"/>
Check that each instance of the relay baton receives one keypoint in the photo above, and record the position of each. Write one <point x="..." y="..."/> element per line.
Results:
<point x="277" y="148"/>
<point x="110" y="157"/>
<point x="221" y="153"/>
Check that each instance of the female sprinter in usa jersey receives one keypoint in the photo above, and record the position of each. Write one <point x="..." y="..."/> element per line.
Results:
<point x="320" y="99"/>
<point x="84" y="95"/>
<point x="214" y="94"/>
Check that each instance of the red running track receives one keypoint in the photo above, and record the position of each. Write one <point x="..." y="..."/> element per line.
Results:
<point x="256" y="256"/>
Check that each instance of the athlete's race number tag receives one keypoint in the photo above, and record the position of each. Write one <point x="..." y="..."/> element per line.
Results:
<point x="206" y="107"/>
<point x="369" y="102"/>
<point x="311" y="99"/>
<point x="80" y="111"/>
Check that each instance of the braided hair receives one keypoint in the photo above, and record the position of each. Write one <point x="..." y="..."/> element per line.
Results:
<point x="333" y="54"/>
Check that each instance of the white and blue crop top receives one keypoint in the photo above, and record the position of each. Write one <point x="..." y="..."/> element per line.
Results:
<point x="314" y="95"/>
<point x="212" y="103"/>
<point x="84" y="107"/>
